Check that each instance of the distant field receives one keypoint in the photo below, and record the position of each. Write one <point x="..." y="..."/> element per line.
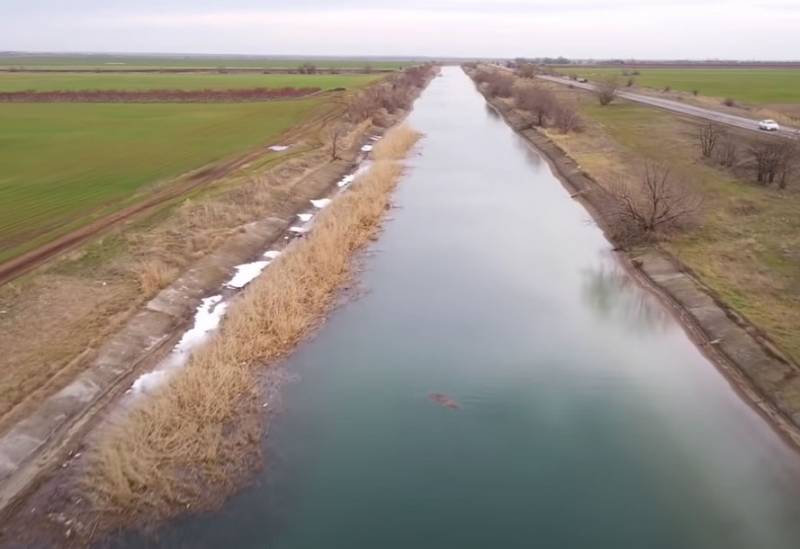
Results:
<point x="754" y="86"/>
<point x="190" y="62"/>
<point x="65" y="164"/>
<point x="21" y="81"/>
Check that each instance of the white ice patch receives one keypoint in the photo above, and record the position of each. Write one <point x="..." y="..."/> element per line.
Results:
<point x="272" y="254"/>
<point x="375" y="138"/>
<point x="346" y="180"/>
<point x="246" y="273"/>
<point x="305" y="217"/>
<point x="206" y="319"/>
<point x="366" y="148"/>
<point x="150" y="381"/>
<point x="278" y="148"/>
<point x="321" y="202"/>
<point x="298" y="230"/>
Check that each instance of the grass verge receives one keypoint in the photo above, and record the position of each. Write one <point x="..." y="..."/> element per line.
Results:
<point x="191" y="439"/>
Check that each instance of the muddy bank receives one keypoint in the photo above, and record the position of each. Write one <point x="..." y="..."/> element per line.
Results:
<point x="751" y="362"/>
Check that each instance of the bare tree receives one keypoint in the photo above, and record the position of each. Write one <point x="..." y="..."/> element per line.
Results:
<point x="537" y="100"/>
<point x="336" y="134"/>
<point x="526" y="70"/>
<point x="728" y="152"/>
<point x="606" y="90"/>
<point x="566" y="118"/>
<point x="773" y="160"/>
<point x="308" y="68"/>
<point x="499" y="83"/>
<point x="653" y="203"/>
<point x="708" y="137"/>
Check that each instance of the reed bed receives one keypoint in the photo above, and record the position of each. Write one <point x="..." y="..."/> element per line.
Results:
<point x="191" y="441"/>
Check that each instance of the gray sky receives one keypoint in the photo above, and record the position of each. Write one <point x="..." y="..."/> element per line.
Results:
<point x="768" y="29"/>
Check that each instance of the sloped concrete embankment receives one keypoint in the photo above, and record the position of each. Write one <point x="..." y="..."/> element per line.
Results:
<point x="38" y="442"/>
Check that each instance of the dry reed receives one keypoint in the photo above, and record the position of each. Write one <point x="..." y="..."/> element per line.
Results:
<point x="192" y="438"/>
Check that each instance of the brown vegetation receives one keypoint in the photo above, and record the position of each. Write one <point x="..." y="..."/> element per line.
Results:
<point x="155" y="96"/>
<point x="773" y="161"/>
<point x="655" y="203"/>
<point x="188" y="440"/>
<point x="392" y="94"/>
<point x="707" y="138"/>
<point x="496" y="83"/>
<point x="606" y="90"/>
<point x="537" y="100"/>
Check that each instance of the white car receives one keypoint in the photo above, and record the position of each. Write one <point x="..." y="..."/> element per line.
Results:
<point x="768" y="126"/>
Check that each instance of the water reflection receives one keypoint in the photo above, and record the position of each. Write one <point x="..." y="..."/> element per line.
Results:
<point x="612" y="294"/>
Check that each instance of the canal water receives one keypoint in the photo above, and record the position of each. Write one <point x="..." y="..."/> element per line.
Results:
<point x="586" y="418"/>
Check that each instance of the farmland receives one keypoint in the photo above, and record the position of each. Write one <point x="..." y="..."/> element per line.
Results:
<point x="68" y="164"/>
<point x="754" y="86"/>
<point x="22" y="81"/>
<point x="121" y="62"/>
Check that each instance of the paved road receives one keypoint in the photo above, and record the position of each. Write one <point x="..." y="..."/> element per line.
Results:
<point x="683" y="108"/>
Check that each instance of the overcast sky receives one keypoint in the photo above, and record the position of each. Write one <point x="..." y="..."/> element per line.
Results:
<point x="768" y="29"/>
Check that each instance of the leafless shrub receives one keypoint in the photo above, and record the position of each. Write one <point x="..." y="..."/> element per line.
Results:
<point x="655" y="203"/>
<point x="631" y="82"/>
<point x="154" y="275"/>
<point x="526" y="70"/>
<point x="707" y="138"/>
<point x="695" y="92"/>
<point x="537" y="100"/>
<point x="606" y="90"/>
<point x="729" y="102"/>
<point x="397" y="92"/>
<point x="728" y="152"/>
<point x="499" y="83"/>
<point x="773" y="161"/>
<point x="308" y="68"/>
<point x="566" y="118"/>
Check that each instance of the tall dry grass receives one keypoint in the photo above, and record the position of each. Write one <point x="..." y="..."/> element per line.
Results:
<point x="190" y="440"/>
<point x="154" y="275"/>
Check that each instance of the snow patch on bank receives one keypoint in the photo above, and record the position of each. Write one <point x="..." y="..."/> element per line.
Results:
<point x="320" y="202"/>
<point x="246" y="273"/>
<point x="206" y="319"/>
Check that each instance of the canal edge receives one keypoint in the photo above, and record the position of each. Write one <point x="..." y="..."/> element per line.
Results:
<point x="718" y="332"/>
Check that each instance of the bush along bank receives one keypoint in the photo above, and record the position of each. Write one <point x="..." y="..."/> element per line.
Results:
<point x="759" y="371"/>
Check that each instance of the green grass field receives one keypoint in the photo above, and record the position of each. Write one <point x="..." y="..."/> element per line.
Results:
<point x="66" y="164"/>
<point x="754" y="86"/>
<point x="119" y="62"/>
<point x="21" y="81"/>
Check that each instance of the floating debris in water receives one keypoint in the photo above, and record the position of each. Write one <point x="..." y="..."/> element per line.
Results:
<point x="444" y="400"/>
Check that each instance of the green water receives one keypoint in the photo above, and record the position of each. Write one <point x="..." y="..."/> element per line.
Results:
<point x="587" y="419"/>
